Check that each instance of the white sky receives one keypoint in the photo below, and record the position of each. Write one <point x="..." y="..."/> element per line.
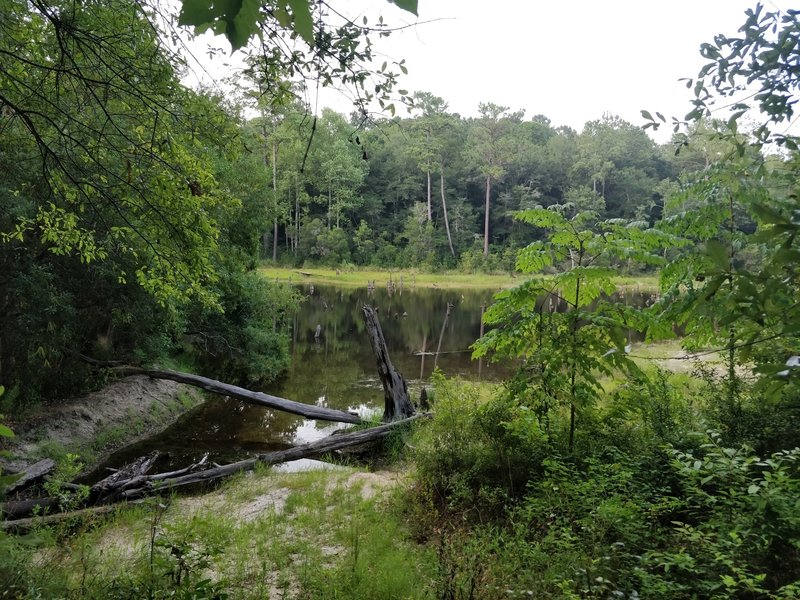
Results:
<point x="570" y="60"/>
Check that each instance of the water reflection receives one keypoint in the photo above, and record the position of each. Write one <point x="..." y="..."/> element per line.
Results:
<point x="333" y="366"/>
<point x="424" y="329"/>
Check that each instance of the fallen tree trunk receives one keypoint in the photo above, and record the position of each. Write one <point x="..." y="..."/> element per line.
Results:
<point x="395" y="390"/>
<point x="105" y="491"/>
<point x="260" y="398"/>
<point x="25" y="525"/>
<point x="323" y="446"/>
<point x="141" y="486"/>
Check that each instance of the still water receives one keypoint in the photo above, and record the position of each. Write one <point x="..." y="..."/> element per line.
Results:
<point x="335" y="369"/>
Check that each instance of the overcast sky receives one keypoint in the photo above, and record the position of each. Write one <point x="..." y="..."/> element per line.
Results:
<point x="570" y="60"/>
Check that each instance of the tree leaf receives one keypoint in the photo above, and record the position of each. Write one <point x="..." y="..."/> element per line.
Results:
<point x="196" y="13"/>
<point x="303" y="23"/>
<point x="407" y="5"/>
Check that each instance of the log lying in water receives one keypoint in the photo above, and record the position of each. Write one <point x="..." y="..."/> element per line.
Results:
<point x="395" y="390"/>
<point x="308" y="411"/>
<point x="141" y="486"/>
<point x="323" y="446"/>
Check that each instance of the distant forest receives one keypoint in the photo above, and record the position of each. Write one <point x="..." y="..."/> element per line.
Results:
<point x="414" y="192"/>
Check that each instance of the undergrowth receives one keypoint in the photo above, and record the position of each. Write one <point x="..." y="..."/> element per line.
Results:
<point x="654" y="502"/>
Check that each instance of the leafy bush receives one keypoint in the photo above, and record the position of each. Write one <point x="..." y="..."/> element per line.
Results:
<point x="475" y="453"/>
<point x="741" y="531"/>
<point x="248" y="341"/>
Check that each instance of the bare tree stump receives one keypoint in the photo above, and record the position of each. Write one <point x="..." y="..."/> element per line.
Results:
<point x="397" y="404"/>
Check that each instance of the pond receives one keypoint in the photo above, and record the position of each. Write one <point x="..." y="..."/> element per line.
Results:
<point x="334" y="368"/>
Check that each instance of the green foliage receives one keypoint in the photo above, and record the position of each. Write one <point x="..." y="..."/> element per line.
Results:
<point x="475" y="453"/>
<point x="720" y="556"/>
<point x="563" y="327"/>
<point x="652" y="520"/>
<point x="239" y="21"/>
<point x="762" y="59"/>
<point x="247" y="341"/>
<point x="67" y="469"/>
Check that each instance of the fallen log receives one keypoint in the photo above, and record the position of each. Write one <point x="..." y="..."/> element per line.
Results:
<point x="148" y="485"/>
<point x="397" y="404"/>
<point x="323" y="446"/>
<point x="309" y="411"/>
<point x="14" y="509"/>
<point x="107" y="489"/>
<point x="31" y="475"/>
<point x="28" y="523"/>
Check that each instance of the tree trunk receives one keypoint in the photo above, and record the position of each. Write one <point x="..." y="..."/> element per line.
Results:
<point x="296" y="214"/>
<point x="486" y="218"/>
<point x="444" y="210"/>
<point x="225" y="389"/>
<point x="275" y="199"/>
<point x="20" y="526"/>
<point x="430" y="212"/>
<point x="397" y="404"/>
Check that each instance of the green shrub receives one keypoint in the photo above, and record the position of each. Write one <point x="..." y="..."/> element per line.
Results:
<point x="474" y="454"/>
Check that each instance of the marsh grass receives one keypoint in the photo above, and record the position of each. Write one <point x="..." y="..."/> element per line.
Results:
<point x="412" y="278"/>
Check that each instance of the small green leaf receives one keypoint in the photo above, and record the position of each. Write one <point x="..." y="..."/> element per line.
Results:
<point x="5" y="431"/>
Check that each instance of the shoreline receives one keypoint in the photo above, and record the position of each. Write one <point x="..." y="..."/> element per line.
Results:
<point x="97" y="424"/>
<point x="412" y="279"/>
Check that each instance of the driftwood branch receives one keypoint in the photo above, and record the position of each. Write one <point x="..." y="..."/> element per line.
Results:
<point x="140" y="486"/>
<point x="108" y="489"/>
<point x="259" y="398"/>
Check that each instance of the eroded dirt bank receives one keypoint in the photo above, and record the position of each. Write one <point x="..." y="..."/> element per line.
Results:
<point x="99" y="423"/>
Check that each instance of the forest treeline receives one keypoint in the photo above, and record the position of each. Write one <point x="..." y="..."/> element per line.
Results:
<point x="416" y="191"/>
